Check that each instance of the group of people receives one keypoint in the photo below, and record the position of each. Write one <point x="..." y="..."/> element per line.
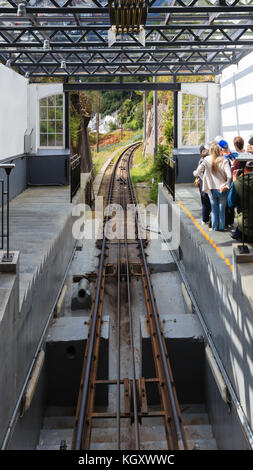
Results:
<point x="219" y="177"/>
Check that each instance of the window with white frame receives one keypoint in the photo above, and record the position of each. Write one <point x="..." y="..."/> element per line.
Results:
<point x="193" y="120"/>
<point x="51" y="121"/>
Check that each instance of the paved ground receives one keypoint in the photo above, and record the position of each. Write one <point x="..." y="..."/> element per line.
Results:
<point x="37" y="217"/>
<point x="189" y="199"/>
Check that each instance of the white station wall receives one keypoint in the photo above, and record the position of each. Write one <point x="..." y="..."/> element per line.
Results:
<point x="13" y="112"/>
<point x="237" y="100"/>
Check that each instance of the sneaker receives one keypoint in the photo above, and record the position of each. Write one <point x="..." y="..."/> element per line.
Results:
<point x="235" y="236"/>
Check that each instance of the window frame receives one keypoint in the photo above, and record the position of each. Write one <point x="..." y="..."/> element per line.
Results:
<point x="51" y="147"/>
<point x="180" y="119"/>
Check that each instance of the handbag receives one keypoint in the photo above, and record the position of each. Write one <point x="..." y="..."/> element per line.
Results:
<point x="196" y="182"/>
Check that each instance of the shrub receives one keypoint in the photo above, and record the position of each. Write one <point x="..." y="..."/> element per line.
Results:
<point x="160" y="157"/>
<point x="113" y="126"/>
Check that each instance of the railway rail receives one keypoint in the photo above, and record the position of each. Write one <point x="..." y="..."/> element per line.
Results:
<point x="121" y="260"/>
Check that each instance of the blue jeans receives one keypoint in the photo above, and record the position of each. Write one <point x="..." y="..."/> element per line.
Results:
<point x="218" y="202"/>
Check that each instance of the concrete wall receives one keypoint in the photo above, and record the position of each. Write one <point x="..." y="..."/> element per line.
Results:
<point x="48" y="169"/>
<point x="21" y="326"/>
<point x="9" y="311"/>
<point x="18" y="176"/>
<point x="228" y="315"/>
<point x="237" y="100"/>
<point x="13" y="112"/>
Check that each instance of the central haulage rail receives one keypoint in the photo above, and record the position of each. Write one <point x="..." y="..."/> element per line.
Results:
<point x="136" y="406"/>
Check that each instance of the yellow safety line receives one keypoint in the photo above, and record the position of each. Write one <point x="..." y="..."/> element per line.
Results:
<point x="206" y="236"/>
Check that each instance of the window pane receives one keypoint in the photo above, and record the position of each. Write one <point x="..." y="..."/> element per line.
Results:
<point x="51" y="127"/>
<point x="59" y="126"/>
<point x="51" y="121"/>
<point x="185" y="100"/>
<point x="58" y="113"/>
<point x="43" y="102"/>
<point x="43" y="140"/>
<point x="43" y="127"/>
<point x="51" y="140"/>
<point x="43" y="113"/>
<point x="193" y="120"/>
<point x="51" y="113"/>
<point x="59" y="100"/>
<point x="51" y="100"/>
<point x="59" y="140"/>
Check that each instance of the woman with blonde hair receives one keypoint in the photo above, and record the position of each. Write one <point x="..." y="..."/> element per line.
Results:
<point x="216" y="177"/>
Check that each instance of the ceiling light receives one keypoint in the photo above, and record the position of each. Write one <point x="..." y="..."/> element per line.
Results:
<point x="46" y="45"/>
<point x="21" y="9"/>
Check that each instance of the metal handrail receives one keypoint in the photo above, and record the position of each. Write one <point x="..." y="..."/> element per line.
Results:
<point x="169" y="174"/>
<point x="7" y="257"/>
<point x="75" y="174"/>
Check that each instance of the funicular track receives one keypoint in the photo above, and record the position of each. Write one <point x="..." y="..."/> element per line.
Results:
<point x="129" y="260"/>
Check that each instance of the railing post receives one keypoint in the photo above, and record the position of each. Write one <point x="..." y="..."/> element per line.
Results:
<point x="155" y="118"/>
<point x="8" y="257"/>
<point x="75" y="174"/>
<point x="169" y="176"/>
<point x="175" y="125"/>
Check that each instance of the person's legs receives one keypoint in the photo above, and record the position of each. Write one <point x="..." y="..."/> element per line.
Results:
<point x="214" y="201"/>
<point x="206" y="208"/>
<point x="222" y="208"/>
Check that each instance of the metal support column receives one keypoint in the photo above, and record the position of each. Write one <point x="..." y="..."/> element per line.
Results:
<point x="175" y="127"/>
<point x="66" y="94"/>
<point x="144" y="117"/>
<point x="155" y="119"/>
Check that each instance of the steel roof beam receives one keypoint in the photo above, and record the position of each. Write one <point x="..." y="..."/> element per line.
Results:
<point x="155" y="10"/>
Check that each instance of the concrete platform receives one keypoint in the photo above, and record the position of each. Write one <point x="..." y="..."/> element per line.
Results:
<point x="187" y="195"/>
<point x="37" y="217"/>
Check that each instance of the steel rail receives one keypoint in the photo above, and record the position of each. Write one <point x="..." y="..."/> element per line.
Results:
<point x="118" y="337"/>
<point x="80" y="424"/>
<point x="84" y="393"/>
<point x="164" y="358"/>
<point x="136" y="423"/>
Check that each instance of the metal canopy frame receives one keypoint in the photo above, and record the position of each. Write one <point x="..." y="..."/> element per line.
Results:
<point x="186" y="37"/>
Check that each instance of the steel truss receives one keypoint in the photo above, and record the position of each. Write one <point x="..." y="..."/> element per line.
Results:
<point x="70" y="38"/>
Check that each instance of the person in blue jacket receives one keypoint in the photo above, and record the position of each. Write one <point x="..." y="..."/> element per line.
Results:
<point x="230" y="156"/>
